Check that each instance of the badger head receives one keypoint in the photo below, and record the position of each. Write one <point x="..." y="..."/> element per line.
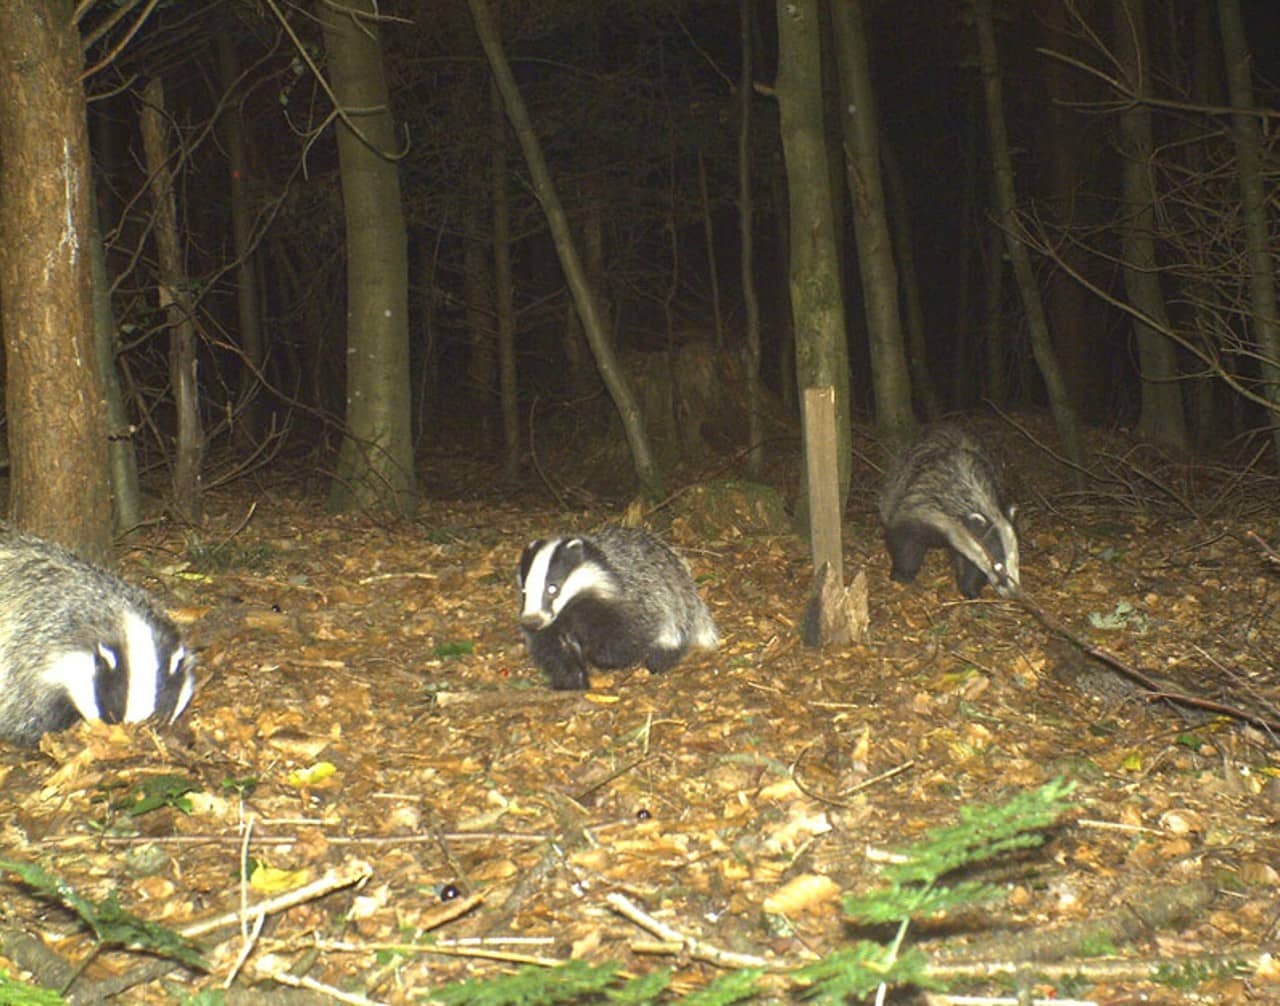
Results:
<point x="132" y="670"/>
<point x="557" y="571"/>
<point x="992" y="545"/>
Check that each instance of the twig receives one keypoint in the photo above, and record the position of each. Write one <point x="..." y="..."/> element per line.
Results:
<point x="303" y="982"/>
<point x="356" y="872"/>
<point x="695" y="948"/>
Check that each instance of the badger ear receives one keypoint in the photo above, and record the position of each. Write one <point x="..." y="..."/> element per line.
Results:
<point x="1011" y="511"/>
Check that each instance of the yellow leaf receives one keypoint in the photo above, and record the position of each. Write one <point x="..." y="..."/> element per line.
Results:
<point x="1132" y="762"/>
<point x="270" y="880"/>
<point x="312" y="774"/>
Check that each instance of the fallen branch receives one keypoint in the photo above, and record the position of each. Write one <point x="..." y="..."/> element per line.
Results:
<point x="1155" y="690"/>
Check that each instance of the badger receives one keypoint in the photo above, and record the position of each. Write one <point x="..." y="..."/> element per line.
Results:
<point x="78" y="642"/>
<point x="611" y="600"/>
<point x="945" y="492"/>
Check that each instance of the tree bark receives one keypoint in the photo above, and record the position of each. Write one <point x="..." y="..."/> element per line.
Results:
<point x="890" y="377"/>
<point x="375" y="462"/>
<point x="751" y="303"/>
<point x="175" y="303"/>
<point x="1064" y="413"/>
<point x="1245" y="128"/>
<point x="1162" y="419"/>
<point x="817" y="307"/>
<point x="53" y="392"/>
<point x="543" y="187"/>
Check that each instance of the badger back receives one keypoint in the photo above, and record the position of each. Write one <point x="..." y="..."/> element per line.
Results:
<point x="948" y="485"/>
<point x="76" y="641"/>
<point x="659" y="586"/>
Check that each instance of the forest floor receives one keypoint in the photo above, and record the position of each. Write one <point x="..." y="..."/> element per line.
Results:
<point x="368" y="724"/>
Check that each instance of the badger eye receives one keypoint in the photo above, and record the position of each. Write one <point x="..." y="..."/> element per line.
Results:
<point x="552" y="590"/>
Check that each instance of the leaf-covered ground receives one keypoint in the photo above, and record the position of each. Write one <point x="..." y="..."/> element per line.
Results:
<point x="367" y="711"/>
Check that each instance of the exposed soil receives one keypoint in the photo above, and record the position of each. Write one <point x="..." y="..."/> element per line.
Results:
<point x="390" y="652"/>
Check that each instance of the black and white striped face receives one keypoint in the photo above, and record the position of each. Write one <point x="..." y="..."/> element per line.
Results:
<point x="555" y="571"/>
<point x="145" y="672"/>
<point x="992" y="546"/>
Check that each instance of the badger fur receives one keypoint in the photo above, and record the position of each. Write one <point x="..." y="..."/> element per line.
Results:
<point x="945" y="492"/>
<point x="76" y="641"/>
<point x="610" y="600"/>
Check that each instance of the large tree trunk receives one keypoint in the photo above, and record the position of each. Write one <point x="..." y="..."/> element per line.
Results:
<point x="890" y="377"/>
<point x="543" y="187"/>
<point x="1064" y="413"/>
<point x="503" y="285"/>
<point x="175" y="303"/>
<point x="249" y="429"/>
<point x="1162" y="419"/>
<point x="53" y="394"/>
<point x="1247" y="133"/>
<point x="375" y="462"/>
<point x="751" y="304"/>
<point x="817" y="307"/>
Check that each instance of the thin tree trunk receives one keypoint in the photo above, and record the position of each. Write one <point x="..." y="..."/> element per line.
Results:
<point x="1246" y="131"/>
<point x="53" y="394"/>
<point x="478" y="290"/>
<point x="614" y="378"/>
<point x="1064" y="413"/>
<point x="126" y="494"/>
<point x="755" y="407"/>
<point x="503" y="285"/>
<point x="1162" y="419"/>
<point x="176" y="304"/>
<point x="709" y="235"/>
<point x="890" y="376"/>
<point x="249" y="405"/>
<point x="994" y="339"/>
<point x="972" y="233"/>
<point x="375" y="462"/>
<point x="924" y="391"/>
<point x="817" y="307"/>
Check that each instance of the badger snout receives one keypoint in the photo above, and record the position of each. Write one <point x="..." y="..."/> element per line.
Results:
<point x="534" y="620"/>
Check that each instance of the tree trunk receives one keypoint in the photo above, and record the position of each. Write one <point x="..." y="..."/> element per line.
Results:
<point x="751" y="303"/>
<point x="924" y="391"/>
<point x="890" y="377"/>
<point x="1064" y="413"/>
<point x="996" y="386"/>
<point x="1162" y="419"/>
<point x="614" y="378"/>
<point x="1081" y="336"/>
<point x="709" y="235"/>
<point x="249" y="429"/>
<point x="375" y="462"/>
<point x="817" y="309"/>
<point x="503" y="285"/>
<point x="175" y="303"/>
<point x="53" y="394"/>
<point x="126" y="494"/>
<point x="1245" y="127"/>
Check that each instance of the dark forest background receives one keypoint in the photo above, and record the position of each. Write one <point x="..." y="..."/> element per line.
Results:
<point x="635" y="106"/>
